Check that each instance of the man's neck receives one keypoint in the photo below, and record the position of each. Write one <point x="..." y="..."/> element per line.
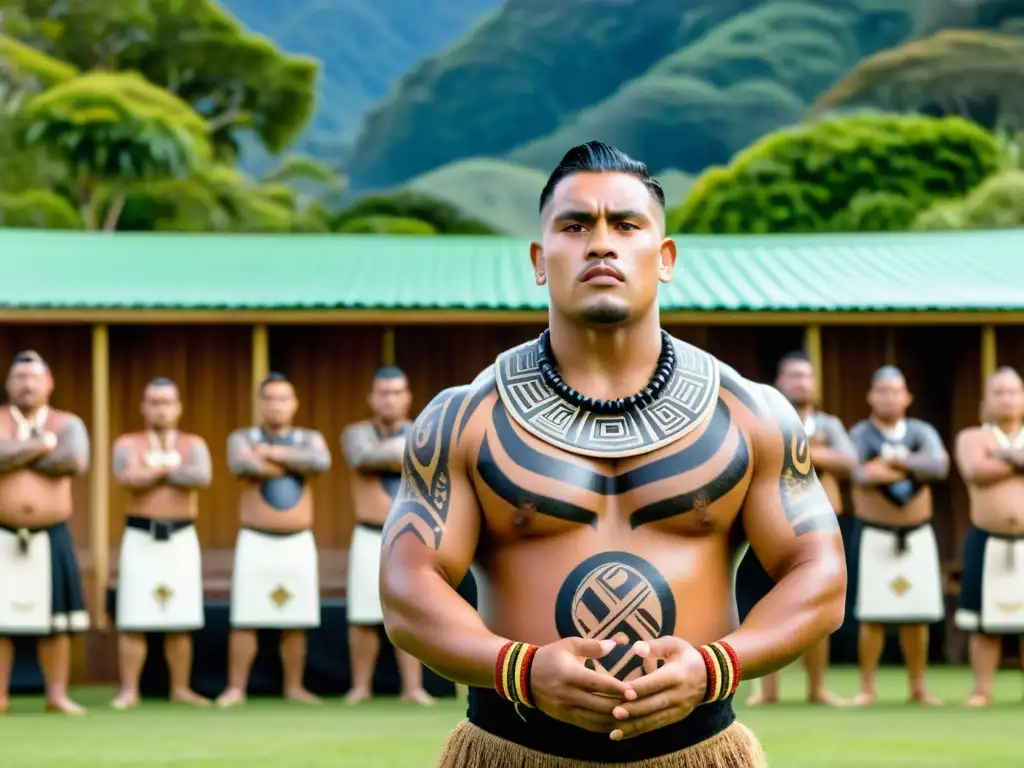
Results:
<point x="1010" y="426"/>
<point x="606" y="363"/>
<point x="886" y="425"/>
<point x="276" y="429"/>
<point x="805" y="411"/>
<point x="386" y="426"/>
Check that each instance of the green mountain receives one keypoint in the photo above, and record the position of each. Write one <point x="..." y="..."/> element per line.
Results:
<point x="365" y="46"/>
<point x="680" y="88"/>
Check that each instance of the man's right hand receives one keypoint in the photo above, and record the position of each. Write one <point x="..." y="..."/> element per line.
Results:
<point x="563" y="687"/>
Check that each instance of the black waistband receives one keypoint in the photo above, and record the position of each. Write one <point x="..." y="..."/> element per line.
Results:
<point x="370" y="526"/>
<point x="1002" y="536"/>
<point x="897" y="529"/>
<point x="161" y="529"/>
<point x="31" y="529"/>
<point x="544" y="734"/>
<point x="276" y="534"/>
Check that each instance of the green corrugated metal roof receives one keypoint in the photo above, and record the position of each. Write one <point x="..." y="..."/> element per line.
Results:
<point x="968" y="271"/>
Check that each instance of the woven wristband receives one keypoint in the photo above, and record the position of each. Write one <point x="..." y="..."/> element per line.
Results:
<point x="512" y="673"/>
<point x="723" y="670"/>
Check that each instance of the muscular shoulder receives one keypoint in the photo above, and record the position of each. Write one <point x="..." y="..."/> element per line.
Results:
<point x="243" y="433"/>
<point x="919" y="427"/>
<point x="450" y="414"/>
<point x="771" y="413"/>
<point x="971" y="436"/>
<point x="189" y="439"/>
<point x="65" y="420"/>
<point x="357" y="427"/>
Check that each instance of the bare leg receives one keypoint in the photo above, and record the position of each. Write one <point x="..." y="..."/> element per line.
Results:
<point x="55" y="659"/>
<point x="241" y="655"/>
<point x="767" y="691"/>
<point x="986" y="652"/>
<point x="411" y="672"/>
<point x="293" y="659"/>
<point x="6" y="667"/>
<point x="870" y="646"/>
<point x="914" y="644"/>
<point x="131" y="657"/>
<point x="816" y="664"/>
<point x="178" y="651"/>
<point x="363" y="649"/>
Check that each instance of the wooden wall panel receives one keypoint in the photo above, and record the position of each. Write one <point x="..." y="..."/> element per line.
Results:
<point x="754" y="351"/>
<point x="212" y="366"/>
<point x="331" y="368"/>
<point x="438" y="357"/>
<point x="942" y="365"/>
<point x="1010" y="346"/>
<point x="68" y="351"/>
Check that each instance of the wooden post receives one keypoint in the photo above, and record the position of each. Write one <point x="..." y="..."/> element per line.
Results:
<point x="812" y="346"/>
<point x="989" y="354"/>
<point x="260" y="364"/>
<point x="99" y="486"/>
<point x="387" y="346"/>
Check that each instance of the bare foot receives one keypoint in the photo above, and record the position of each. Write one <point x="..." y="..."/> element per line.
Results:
<point x="865" y="699"/>
<point x="302" y="696"/>
<point x="420" y="697"/>
<point x="5" y="706"/>
<point x="760" y="700"/>
<point x="125" y="700"/>
<point x="925" y="699"/>
<point x="357" y="696"/>
<point x="64" y="706"/>
<point x="230" y="698"/>
<point x="190" y="697"/>
<point x="977" y="700"/>
<point x="828" y="699"/>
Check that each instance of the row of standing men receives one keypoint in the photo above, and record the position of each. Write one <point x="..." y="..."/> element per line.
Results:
<point x="890" y="462"/>
<point x="275" y="581"/>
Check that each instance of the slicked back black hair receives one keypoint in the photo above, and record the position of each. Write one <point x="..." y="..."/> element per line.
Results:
<point x="598" y="157"/>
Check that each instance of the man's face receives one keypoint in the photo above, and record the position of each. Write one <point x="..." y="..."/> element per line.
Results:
<point x="161" y="407"/>
<point x="796" y="382"/>
<point x="390" y="399"/>
<point x="1004" y="399"/>
<point x="278" y="403"/>
<point x="889" y="398"/>
<point x="603" y="253"/>
<point x="29" y="385"/>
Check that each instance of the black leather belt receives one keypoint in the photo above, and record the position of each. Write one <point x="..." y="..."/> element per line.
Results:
<point x="161" y="530"/>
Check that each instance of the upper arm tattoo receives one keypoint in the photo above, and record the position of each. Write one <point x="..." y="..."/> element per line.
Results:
<point x="930" y="461"/>
<point x="311" y="456"/>
<point x="196" y="471"/>
<point x="424" y="498"/>
<point x="241" y="460"/>
<point x="73" y="451"/>
<point x="364" y="449"/>
<point x="804" y="502"/>
<point x="839" y="440"/>
<point x="122" y="457"/>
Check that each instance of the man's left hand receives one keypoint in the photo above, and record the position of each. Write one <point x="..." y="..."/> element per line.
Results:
<point x="665" y="695"/>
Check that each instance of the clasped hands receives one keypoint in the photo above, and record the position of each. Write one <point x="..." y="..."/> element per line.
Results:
<point x="565" y="689"/>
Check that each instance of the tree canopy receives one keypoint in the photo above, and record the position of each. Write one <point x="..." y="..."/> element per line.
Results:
<point x="868" y="172"/>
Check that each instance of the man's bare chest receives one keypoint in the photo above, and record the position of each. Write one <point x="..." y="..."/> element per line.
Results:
<point x="529" y="487"/>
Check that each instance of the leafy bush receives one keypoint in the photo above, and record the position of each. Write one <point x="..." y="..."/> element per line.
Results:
<point x="386" y="225"/>
<point x="802" y="179"/>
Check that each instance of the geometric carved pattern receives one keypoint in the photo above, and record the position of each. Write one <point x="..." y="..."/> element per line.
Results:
<point x="280" y="596"/>
<point x="689" y="397"/>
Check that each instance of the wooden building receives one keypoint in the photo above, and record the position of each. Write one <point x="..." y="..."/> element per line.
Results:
<point x="216" y="313"/>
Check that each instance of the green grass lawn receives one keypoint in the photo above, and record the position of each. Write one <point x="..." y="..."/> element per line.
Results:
<point x="387" y="734"/>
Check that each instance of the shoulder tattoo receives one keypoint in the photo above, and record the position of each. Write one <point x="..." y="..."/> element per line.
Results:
<point x="424" y="497"/>
<point x="804" y="502"/>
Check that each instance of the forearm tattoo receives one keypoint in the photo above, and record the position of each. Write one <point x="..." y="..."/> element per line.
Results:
<point x="241" y="460"/>
<point x="196" y="471"/>
<point x="72" y="453"/>
<point x="12" y="455"/>
<point x="312" y="457"/>
<point x="804" y="502"/>
<point x="424" y="498"/>
<point x="365" y="451"/>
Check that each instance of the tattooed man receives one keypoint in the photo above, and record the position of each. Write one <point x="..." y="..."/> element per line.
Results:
<point x="899" y="576"/>
<point x="373" y="451"/>
<point x="276" y="579"/>
<point x="41" y="450"/>
<point x="607" y="477"/>
<point x="160" y="575"/>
